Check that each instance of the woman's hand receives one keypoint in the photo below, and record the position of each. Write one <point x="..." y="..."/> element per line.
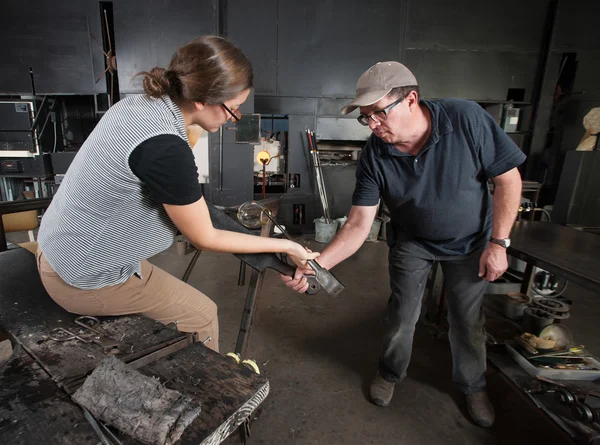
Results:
<point x="300" y="255"/>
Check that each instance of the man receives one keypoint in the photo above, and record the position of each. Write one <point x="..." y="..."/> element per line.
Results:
<point x="430" y="162"/>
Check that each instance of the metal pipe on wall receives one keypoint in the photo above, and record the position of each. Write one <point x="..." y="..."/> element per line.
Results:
<point x="537" y="131"/>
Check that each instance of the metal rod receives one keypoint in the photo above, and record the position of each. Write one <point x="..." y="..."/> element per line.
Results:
<point x="220" y="189"/>
<point x="101" y="48"/>
<point x="328" y="218"/>
<point x="320" y="186"/>
<point x="320" y="176"/>
<point x="37" y="115"/>
<point x="103" y="439"/>
<point x="103" y="73"/>
<point x="264" y="181"/>
<point x="107" y="32"/>
<point x="15" y="131"/>
<point x="190" y="268"/>
<point x="50" y="111"/>
<point x="318" y="180"/>
<point x="110" y="433"/>
<point x="267" y="212"/>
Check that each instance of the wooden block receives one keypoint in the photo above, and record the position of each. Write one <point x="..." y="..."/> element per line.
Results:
<point x="229" y="392"/>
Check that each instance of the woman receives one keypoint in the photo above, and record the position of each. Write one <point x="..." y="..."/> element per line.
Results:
<point x="134" y="183"/>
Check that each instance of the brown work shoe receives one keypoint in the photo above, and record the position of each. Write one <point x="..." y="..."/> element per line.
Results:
<point x="481" y="409"/>
<point x="381" y="391"/>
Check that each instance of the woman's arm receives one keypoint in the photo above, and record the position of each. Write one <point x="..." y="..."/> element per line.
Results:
<point x="193" y="220"/>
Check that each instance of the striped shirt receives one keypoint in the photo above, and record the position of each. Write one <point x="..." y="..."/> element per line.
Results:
<point x="102" y="221"/>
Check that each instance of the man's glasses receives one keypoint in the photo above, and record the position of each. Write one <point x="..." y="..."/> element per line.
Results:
<point x="379" y="115"/>
<point x="235" y="115"/>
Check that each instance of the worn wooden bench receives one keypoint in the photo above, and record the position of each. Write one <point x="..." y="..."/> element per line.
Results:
<point x="228" y="392"/>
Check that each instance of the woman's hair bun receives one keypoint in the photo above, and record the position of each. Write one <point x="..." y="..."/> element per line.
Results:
<point x="157" y="82"/>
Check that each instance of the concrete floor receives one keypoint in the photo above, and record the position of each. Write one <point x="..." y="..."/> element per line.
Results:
<point x="320" y="353"/>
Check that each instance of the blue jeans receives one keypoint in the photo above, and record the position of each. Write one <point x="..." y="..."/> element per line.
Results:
<point x="409" y="266"/>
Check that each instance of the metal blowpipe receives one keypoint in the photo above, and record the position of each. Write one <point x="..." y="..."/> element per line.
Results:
<point x="314" y="151"/>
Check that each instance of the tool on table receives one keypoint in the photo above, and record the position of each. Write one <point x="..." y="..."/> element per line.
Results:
<point x="109" y="345"/>
<point x="96" y="427"/>
<point x="537" y="342"/>
<point x="554" y="349"/>
<point x="324" y="277"/>
<point x="262" y="261"/>
<point x="561" y="335"/>
<point x="552" y="382"/>
<point x="562" y="394"/>
<point x="525" y="344"/>
<point x="572" y="352"/>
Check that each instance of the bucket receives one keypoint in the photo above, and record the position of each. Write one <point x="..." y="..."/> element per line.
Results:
<point x="534" y="320"/>
<point x="515" y="304"/>
<point x="375" y="228"/>
<point x="324" y="232"/>
<point x="341" y="222"/>
<point x="181" y="246"/>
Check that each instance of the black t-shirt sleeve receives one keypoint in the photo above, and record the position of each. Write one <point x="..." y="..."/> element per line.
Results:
<point x="167" y="166"/>
<point x="497" y="151"/>
<point x="367" y="191"/>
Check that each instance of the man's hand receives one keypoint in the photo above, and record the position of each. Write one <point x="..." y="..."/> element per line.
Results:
<point x="298" y="282"/>
<point x="493" y="262"/>
<point x="345" y="243"/>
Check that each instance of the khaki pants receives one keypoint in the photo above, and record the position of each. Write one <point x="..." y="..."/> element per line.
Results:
<point x="157" y="295"/>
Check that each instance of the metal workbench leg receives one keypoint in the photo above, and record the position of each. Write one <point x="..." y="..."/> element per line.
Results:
<point x="527" y="278"/>
<point x="250" y="306"/>
<point x="242" y="274"/>
<point x="190" y="268"/>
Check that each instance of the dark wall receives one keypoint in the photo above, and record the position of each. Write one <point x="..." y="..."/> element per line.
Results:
<point x="560" y="128"/>
<point x="577" y="31"/>
<point x="320" y="48"/>
<point x="148" y="33"/>
<point x="308" y="55"/>
<point x="52" y="39"/>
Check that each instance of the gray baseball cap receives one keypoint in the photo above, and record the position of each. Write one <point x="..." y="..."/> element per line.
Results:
<point x="376" y="83"/>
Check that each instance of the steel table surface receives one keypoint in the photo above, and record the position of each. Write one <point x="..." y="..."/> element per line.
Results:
<point x="564" y="251"/>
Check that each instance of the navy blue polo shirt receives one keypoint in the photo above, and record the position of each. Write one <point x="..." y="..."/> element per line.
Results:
<point x="439" y="198"/>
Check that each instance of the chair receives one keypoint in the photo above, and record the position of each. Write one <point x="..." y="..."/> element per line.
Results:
<point x="20" y="222"/>
<point x="19" y="216"/>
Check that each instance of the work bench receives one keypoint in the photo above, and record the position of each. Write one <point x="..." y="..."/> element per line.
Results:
<point x="573" y="255"/>
<point x="36" y="382"/>
<point x="564" y="251"/>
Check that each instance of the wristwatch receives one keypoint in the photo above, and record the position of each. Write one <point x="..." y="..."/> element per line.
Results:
<point x="504" y="242"/>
